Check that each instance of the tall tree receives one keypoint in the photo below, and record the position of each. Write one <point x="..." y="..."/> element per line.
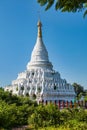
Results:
<point x="66" y="5"/>
<point x="78" y="88"/>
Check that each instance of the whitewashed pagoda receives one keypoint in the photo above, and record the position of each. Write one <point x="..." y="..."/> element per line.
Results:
<point x="40" y="81"/>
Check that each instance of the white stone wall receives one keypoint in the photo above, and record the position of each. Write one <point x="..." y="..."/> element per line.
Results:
<point x="44" y="84"/>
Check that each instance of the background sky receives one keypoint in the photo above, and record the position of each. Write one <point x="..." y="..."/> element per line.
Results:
<point x="64" y="35"/>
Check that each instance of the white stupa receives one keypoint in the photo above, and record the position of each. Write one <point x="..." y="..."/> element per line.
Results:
<point x="40" y="81"/>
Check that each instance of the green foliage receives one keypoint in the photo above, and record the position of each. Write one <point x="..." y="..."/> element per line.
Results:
<point x="78" y="88"/>
<point x="85" y="98"/>
<point x="14" y="110"/>
<point x="75" y="126"/>
<point x="65" y="5"/>
<point x="65" y="116"/>
<point x="18" y="111"/>
<point x="49" y="115"/>
<point x="45" y="116"/>
<point x="7" y="115"/>
<point x="85" y="13"/>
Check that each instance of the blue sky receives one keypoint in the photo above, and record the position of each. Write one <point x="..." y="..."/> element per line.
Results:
<point x="64" y="34"/>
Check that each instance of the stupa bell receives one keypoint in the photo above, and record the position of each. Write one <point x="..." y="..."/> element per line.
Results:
<point x="39" y="56"/>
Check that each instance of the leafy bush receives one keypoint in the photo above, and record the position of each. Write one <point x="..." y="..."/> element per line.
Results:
<point x="18" y="111"/>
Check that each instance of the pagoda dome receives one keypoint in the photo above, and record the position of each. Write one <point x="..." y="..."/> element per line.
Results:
<point x="39" y="56"/>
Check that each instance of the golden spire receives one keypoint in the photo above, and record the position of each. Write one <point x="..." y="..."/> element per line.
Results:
<point x="39" y="29"/>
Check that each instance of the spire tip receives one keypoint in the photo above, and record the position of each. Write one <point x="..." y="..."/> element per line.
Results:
<point x="39" y="24"/>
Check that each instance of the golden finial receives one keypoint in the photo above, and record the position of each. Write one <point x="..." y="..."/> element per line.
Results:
<point x="39" y="29"/>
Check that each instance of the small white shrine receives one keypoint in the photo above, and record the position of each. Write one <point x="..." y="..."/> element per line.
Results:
<point x="40" y="81"/>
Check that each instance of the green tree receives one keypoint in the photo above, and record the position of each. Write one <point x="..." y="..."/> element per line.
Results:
<point x="78" y="89"/>
<point x="53" y="114"/>
<point x="65" y="5"/>
<point x="14" y="110"/>
<point x="44" y="116"/>
<point x="7" y="115"/>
